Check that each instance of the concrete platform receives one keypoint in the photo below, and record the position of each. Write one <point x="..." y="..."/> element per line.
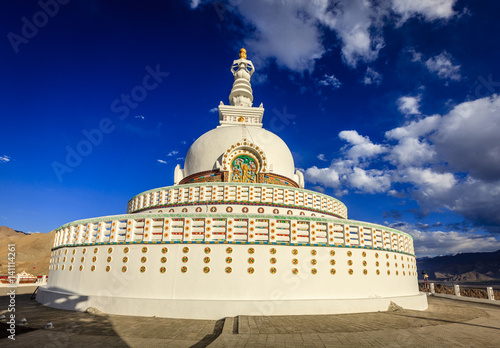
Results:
<point x="446" y="323"/>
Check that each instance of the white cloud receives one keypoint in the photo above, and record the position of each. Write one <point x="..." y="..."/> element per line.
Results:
<point x="291" y="32"/>
<point x="410" y="152"/>
<point x="372" y="77"/>
<point x="409" y="105"/>
<point x="428" y="9"/>
<point x="140" y="117"/>
<point x="321" y="157"/>
<point x="427" y="180"/>
<point x="327" y="177"/>
<point x="415" y="56"/>
<point x="362" y="146"/>
<point x="415" y="129"/>
<point x="370" y="181"/>
<point x="172" y="153"/>
<point x="183" y="142"/>
<point x="442" y="65"/>
<point x="161" y="161"/>
<point x="331" y="81"/>
<point x="213" y="110"/>
<point x="4" y="159"/>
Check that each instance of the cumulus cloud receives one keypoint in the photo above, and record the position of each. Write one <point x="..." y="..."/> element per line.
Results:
<point x="372" y="77"/>
<point x="427" y="9"/>
<point x="449" y="161"/>
<point x="330" y="81"/>
<point x="409" y="105"/>
<point x="213" y="110"/>
<point x="4" y="159"/>
<point x="415" y="56"/>
<point x="442" y="65"/>
<point x="361" y="147"/>
<point x="161" y="161"/>
<point x="291" y="32"/>
<point x="172" y="153"/>
<point x="321" y="157"/>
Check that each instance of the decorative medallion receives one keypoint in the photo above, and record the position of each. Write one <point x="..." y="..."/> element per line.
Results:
<point x="376" y="255"/>
<point x="229" y="209"/>
<point x="314" y="271"/>
<point x="289" y="212"/>
<point x="185" y="250"/>
<point x="378" y="272"/>
<point x="82" y="259"/>
<point x="71" y="267"/>
<point x="295" y="271"/>
<point x="84" y="251"/>
<point x="313" y="252"/>
<point x="96" y="250"/>
<point x="244" y="210"/>
<point x="65" y="252"/>
<point x="184" y="269"/>
<point x="388" y="272"/>
<point x="272" y="270"/>
<point x="108" y="268"/>
<point x="206" y="269"/>
<point x="143" y="269"/>
<point x="251" y="260"/>
<point x="386" y="256"/>
<point x="163" y="269"/>
<point x="92" y="268"/>
<point x="164" y="250"/>
<point x="272" y="260"/>
<point x="272" y="251"/>
<point x="332" y="271"/>
<point x="294" y="252"/>
<point x="198" y="210"/>
<point x="244" y="168"/>
<point x="229" y="250"/>
<point x="363" y="253"/>
<point x="72" y="259"/>
<point x="250" y="270"/>
<point x="206" y="260"/>
<point x="332" y="252"/>
<point x="207" y="250"/>
<point x="364" y="263"/>
<point x="365" y="272"/>
<point x="163" y="260"/>
<point x="349" y="262"/>
<point x="74" y="251"/>
<point x="144" y="250"/>
<point x="229" y="260"/>
<point x="251" y="250"/>
<point x="126" y="250"/>
<point x="144" y="259"/>
<point x="125" y="259"/>
<point x="377" y="263"/>
<point x="185" y="259"/>
<point x="351" y="271"/>
<point x="124" y="269"/>
<point x="295" y="261"/>
<point x="108" y="259"/>
<point x="313" y="262"/>
<point x="260" y="210"/>
<point x="388" y="264"/>
<point x="94" y="259"/>
<point x="62" y="268"/>
<point x="229" y="269"/>
<point x="110" y="250"/>
<point x="349" y="253"/>
<point x="213" y="209"/>
<point x="397" y="272"/>
<point x="184" y="210"/>
<point x="276" y="211"/>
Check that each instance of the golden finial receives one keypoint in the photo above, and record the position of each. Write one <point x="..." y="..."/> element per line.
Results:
<point x="243" y="53"/>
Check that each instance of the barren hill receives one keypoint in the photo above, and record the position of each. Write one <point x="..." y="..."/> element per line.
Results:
<point x="30" y="248"/>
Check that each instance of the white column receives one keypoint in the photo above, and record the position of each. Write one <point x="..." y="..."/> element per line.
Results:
<point x="433" y="291"/>
<point x="489" y="291"/>
<point x="457" y="290"/>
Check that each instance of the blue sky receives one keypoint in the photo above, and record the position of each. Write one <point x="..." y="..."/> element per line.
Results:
<point x="389" y="105"/>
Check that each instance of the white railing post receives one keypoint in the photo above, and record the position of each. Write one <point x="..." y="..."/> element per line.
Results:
<point x="433" y="290"/>
<point x="457" y="290"/>
<point x="489" y="290"/>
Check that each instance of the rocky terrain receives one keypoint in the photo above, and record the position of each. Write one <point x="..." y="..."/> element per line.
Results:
<point x="465" y="267"/>
<point x="30" y="249"/>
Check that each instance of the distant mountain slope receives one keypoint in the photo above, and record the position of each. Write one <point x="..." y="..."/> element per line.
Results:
<point x="30" y="249"/>
<point x="462" y="267"/>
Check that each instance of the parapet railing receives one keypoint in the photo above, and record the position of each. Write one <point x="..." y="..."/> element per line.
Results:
<point x="205" y="193"/>
<point x="456" y="290"/>
<point x="228" y="228"/>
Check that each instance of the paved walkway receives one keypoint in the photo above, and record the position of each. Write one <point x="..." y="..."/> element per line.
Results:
<point x="446" y="323"/>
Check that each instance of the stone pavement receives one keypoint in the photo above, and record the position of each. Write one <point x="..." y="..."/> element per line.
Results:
<point x="446" y="323"/>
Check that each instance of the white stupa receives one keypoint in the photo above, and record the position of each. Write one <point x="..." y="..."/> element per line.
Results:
<point x="237" y="234"/>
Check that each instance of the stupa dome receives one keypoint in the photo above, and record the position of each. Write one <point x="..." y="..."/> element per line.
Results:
<point x="207" y="152"/>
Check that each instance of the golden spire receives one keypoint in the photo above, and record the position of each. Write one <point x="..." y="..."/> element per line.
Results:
<point x="243" y="53"/>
